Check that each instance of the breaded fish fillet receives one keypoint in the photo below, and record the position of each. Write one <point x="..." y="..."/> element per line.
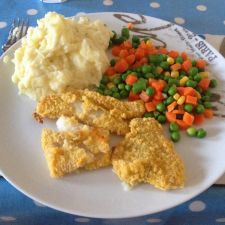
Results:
<point x="91" y="108"/>
<point x="145" y="155"/>
<point x="79" y="146"/>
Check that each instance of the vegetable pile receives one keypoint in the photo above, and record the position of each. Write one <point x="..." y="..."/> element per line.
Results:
<point x="174" y="87"/>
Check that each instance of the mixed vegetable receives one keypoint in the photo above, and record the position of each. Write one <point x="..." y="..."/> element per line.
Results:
<point x="173" y="87"/>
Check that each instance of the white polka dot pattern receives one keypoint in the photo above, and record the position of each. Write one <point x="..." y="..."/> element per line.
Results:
<point x="179" y="20"/>
<point x="154" y="4"/>
<point x="2" y="24"/>
<point x="154" y="220"/>
<point x="220" y="220"/>
<point x="197" y="206"/>
<point x="107" y="2"/>
<point x="82" y="220"/>
<point x="7" y="218"/>
<point x="32" y="12"/>
<point x="201" y="7"/>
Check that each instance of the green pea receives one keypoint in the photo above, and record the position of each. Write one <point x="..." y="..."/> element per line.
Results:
<point x="161" y="119"/>
<point x="199" y="89"/>
<point x="165" y="65"/>
<point x="125" y="33"/>
<point x="191" y="131"/>
<point x="124" y="94"/>
<point x="149" y="75"/>
<point x="119" y="40"/>
<point x="208" y="93"/>
<point x="199" y="109"/>
<point x="135" y="45"/>
<point x="155" y="59"/>
<point x="124" y="76"/>
<point x="121" y="86"/>
<point x="160" y="107"/>
<point x="139" y="69"/>
<point x="183" y="73"/>
<point x="206" y="98"/>
<point x="191" y="83"/>
<point x="116" y="95"/>
<point x="213" y="83"/>
<point x="112" y="62"/>
<point x="107" y="92"/>
<point x="105" y="79"/>
<point x="146" y="69"/>
<point x="175" y="136"/>
<point x="179" y="59"/>
<point x="139" y="85"/>
<point x="173" y="81"/>
<point x="173" y="127"/>
<point x="207" y="105"/>
<point x="128" y="87"/>
<point x="201" y="133"/>
<point x="172" y="91"/>
<point x="193" y="71"/>
<point x="169" y="100"/>
<point x="117" y="80"/>
<point x="188" y="107"/>
<point x="100" y="91"/>
<point x="166" y="89"/>
<point x="114" y="89"/>
<point x="150" y="91"/>
<point x="197" y="78"/>
<point x="194" y="62"/>
<point x="156" y="114"/>
<point x="136" y="39"/>
<point x="149" y="114"/>
<point x="102" y="87"/>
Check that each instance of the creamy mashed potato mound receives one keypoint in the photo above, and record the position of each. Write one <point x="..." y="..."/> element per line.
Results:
<point x="60" y="55"/>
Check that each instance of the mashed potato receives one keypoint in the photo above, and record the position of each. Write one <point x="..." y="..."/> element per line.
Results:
<point x="60" y="55"/>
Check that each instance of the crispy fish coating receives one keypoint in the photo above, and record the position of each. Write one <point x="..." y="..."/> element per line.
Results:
<point x="91" y="108"/>
<point x="145" y="155"/>
<point x="65" y="152"/>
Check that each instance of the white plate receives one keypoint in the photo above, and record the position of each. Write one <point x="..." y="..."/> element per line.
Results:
<point x="100" y="193"/>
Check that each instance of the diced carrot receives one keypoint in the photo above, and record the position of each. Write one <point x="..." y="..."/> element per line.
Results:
<point x="144" y="96"/>
<point x="191" y="100"/>
<point x="180" y="90"/>
<point x="176" y="66"/>
<point x="159" y="85"/>
<point x="139" y="54"/>
<point x="121" y="66"/>
<point x="173" y="54"/>
<point x="162" y="50"/>
<point x="152" y="50"/>
<point x="199" y="119"/>
<point x="130" y="26"/>
<point x="143" y="45"/>
<point x="110" y="71"/>
<point x="131" y="79"/>
<point x="151" y="80"/>
<point x="182" y="124"/>
<point x="143" y="61"/>
<point x="204" y="84"/>
<point x="132" y="96"/>
<point x="184" y="55"/>
<point x="156" y="102"/>
<point x="123" y="53"/>
<point x="116" y="50"/>
<point x="158" y="96"/>
<point x="188" y="118"/>
<point x="208" y="113"/>
<point x="171" y="117"/>
<point x="178" y="111"/>
<point x="132" y="51"/>
<point x="171" y="106"/>
<point x="130" y="59"/>
<point x="200" y="63"/>
<point x="189" y="91"/>
<point x="127" y="44"/>
<point x="186" y="65"/>
<point x="150" y="106"/>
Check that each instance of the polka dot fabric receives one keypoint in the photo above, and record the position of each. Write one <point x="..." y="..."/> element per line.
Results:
<point x="200" y="16"/>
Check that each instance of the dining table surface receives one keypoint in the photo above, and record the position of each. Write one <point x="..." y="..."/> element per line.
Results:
<point x="205" y="18"/>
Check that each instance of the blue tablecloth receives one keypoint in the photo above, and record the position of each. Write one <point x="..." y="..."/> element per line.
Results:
<point x="200" y="16"/>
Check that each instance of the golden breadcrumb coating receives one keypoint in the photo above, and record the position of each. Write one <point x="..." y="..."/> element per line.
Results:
<point x="91" y="108"/>
<point x="145" y="155"/>
<point x="65" y="152"/>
